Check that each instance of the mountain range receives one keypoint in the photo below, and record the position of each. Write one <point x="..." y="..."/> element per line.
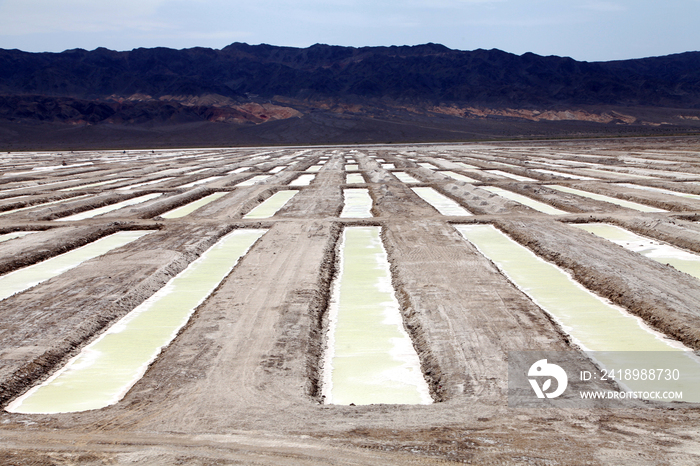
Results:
<point x="253" y="94"/>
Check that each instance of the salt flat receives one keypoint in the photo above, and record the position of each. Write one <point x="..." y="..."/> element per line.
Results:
<point x="242" y="381"/>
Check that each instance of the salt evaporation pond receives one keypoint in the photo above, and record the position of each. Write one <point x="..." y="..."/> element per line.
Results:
<point x="237" y="170"/>
<point x="192" y="206"/>
<point x="106" y="369"/>
<point x="459" y="177"/>
<point x="354" y="178"/>
<point x="145" y="183"/>
<point x="512" y="176"/>
<point x="44" y="204"/>
<point x="109" y="208"/>
<point x="314" y="168"/>
<point x="660" y="190"/>
<point x="303" y="180"/>
<point x="600" y="197"/>
<point x="665" y="253"/>
<point x="29" y="186"/>
<point x="27" y="277"/>
<point x="272" y="204"/>
<point x="370" y="358"/>
<point x="442" y="203"/>
<point x="13" y="235"/>
<point x="609" y="173"/>
<point x="594" y="323"/>
<point x="466" y="165"/>
<point x="352" y="167"/>
<point x="92" y="185"/>
<point x="563" y="175"/>
<point x="405" y="177"/>
<point x="358" y="203"/>
<point x="537" y="205"/>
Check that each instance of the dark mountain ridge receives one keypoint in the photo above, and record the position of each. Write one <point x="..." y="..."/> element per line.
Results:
<point x="256" y="84"/>
<point x="424" y="73"/>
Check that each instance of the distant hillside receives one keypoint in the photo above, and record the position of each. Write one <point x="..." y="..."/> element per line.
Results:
<point x="426" y="84"/>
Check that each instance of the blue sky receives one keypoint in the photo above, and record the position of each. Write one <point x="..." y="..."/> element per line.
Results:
<point x="590" y="30"/>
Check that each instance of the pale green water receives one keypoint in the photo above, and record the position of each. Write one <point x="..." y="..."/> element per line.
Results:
<point x="661" y="190"/>
<point x="91" y="185"/>
<point x="44" y="204"/>
<point x="13" y="235"/>
<point x="600" y="197"/>
<point x="27" y="277"/>
<point x="107" y="368"/>
<point x="388" y="166"/>
<point x="358" y="203"/>
<point x="405" y="177"/>
<point x="352" y="167"/>
<point x="443" y="204"/>
<point x="353" y="178"/>
<point x="109" y="208"/>
<point x="466" y="165"/>
<point x="370" y="358"/>
<point x="610" y="172"/>
<point x="593" y="323"/>
<point x="564" y="175"/>
<point x="459" y="177"/>
<point x="192" y="206"/>
<point x="272" y="204"/>
<point x="314" y="168"/>
<point x="239" y="170"/>
<point x="537" y="205"/>
<point x="303" y="180"/>
<point x="665" y="253"/>
<point x="510" y="175"/>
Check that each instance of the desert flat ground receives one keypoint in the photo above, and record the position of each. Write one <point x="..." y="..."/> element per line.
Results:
<point x="240" y="382"/>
